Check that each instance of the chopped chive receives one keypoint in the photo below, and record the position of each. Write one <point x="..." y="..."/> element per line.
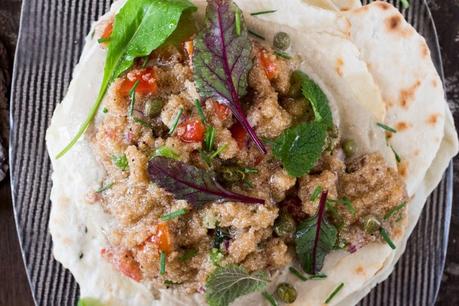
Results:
<point x="315" y="194"/>
<point x="405" y="4"/>
<point x="282" y="54"/>
<point x="174" y="214"/>
<point x="166" y="152"/>
<point x="209" y="138"/>
<point x="334" y="293"/>
<point x="263" y="12"/>
<point x="386" y="238"/>
<point x="105" y="110"/>
<point x="318" y="276"/>
<point x="103" y="40"/>
<point x="188" y="254"/>
<point x="132" y="97"/>
<point x="142" y="122"/>
<point x="162" y="263"/>
<point x="220" y="150"/>
<point x="238" y="21"/>
<point x="103" y="188"/>
<point x="270" y="298"/>
<point x="348" y="204"/>
<point x="176" y="121"/>
<point x="298" y="274"/>
<point x="387" y="128"/>
<point x="397" y="157"/>
<point x="394" y="210"/>
<point x="256" y="35"/>
<point x="198" y="105"/>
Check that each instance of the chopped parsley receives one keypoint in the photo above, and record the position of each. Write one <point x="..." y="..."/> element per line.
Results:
<point x="105" y="110"/>
<point x="121" y="162"/>
<point x="334" y="293"/>
<point x="216" y="256"/>
<point x="174" y="214"/>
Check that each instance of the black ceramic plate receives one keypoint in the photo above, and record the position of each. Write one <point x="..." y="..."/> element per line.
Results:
<point x="51" y="38"/>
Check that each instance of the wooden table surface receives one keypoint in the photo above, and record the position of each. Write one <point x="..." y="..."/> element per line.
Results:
<point x="14" y="289"/>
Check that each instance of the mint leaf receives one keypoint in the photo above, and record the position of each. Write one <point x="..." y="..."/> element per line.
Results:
<point x="228" y="283"/>
<point x="319" y="101"/>
<point x="140" y="27"/>
<point x="314" y="239"/>
<point x="299" y="148"/>
<point x="222" y="60"/>
<point x="187" y="182"/>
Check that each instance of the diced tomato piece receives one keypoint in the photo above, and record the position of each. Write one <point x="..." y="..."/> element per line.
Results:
<point x="268" y="63"/>
<point x="107" y="32"/>
<point x="191" y="130"/>
<point x="146" y="78"/>
<point x="123" y="262"/>
<point x="162" y="237"/>
<point x="188" y="45"/>
<point x="239" y="134"/>
<point x="221" y="110"/>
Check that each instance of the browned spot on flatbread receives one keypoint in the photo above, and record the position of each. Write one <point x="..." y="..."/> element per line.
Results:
<point x="362" y="10"/>
<point x="397" y="232"/>
<point x="394" y="25"/>
<point x="407" y="95"/>
<point x="402" y="126"/>
<point x="403" y="168"/>
<point x="416" y="152"/>
<point x="339" y="66"/>
<point x="425" y="52"/>
<point x="360" y="270"/>
<point x="432" y="119"/>
<point x="434" y="83"/>
<point x="382" y="5"/>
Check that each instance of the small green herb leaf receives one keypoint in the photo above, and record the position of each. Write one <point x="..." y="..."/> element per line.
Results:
<point x="215" y="256"/>
<point x="270" y="298"/>
<point x="188" y="254"/>
<point x="176" y="121"/>
<point x="209" y="138"/>
<point x="104" y="188"/>
<point x="405" y="3"/>
<point x="174" y="214"/>
<point x="132" y="98"/>
<point x="316" y="193"/>
<point x="334" y="293"/>
<point x="162" y="263"/>
<point x="386" y="127"/>
<point x="348" y="204"/>
<point x="87" y="301"/>
<point x="256" y="35"/>
<point x="282" y="54"/>
<point x="314" y="239"/>
<point x="263" y="12"/>
<point x="228" y="283"/>
<point x="120" y="161"/>
<point x="319" y="101"/>
<point x="140" y="27"/>
<point x="299" y="148"/>
<point x="392" y="212"/>
<point x="166" y="152"/>
<point x="386" y="237"/>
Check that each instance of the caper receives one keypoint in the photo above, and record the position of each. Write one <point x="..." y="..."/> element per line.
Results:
<point x="153" y="107"/>
<point x="349" y="147"/>
<point x="281" y="41"/>
<point x="296" y="80"/>
<point x="286" y="293"/>
<point x="371" y="224"/>
<point x="284" y="226"/>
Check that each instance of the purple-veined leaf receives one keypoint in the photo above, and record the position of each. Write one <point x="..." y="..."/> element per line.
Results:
<point x="222" y="60"/>
<point x="187" y="182"/>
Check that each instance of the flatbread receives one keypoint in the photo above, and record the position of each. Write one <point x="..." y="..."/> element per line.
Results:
<point x="388" y="66"/>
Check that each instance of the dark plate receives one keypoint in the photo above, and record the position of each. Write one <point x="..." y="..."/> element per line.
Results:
<point x="51" y="38"/>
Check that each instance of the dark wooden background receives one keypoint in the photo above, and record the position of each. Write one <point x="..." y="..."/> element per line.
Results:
<point x="14" y="290"/>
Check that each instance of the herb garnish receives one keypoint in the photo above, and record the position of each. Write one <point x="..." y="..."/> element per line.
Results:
<point x="176" y="121"/>
<point x="334" y="293"/>
<point x="174" y="214"/>
<point x="315" y="238"/>
<point x="282" y="54"/>
<point x="228" y="283"/>
<point x="198" y="105"/>
<point x="256" y="35"/>
<point x="120" y="161"/>
<point x="132" y="98"/>
<point x="238" y="21"/>
<point x="397" y="157"/>
<point x="405" y="4"/>
<point x="188" y="254"/>
<point x="263" y="12"/>
<point x="270" y="298"/>
<point x="209" y="138"/>
<point x="103" y="40"/>
<point x="140" y="27"/>
<point x="386" y="127"/>
<point x="348" y="204"/>
<point x="105" y="110"/>
<point x="104" y="188"/>
<point x="222" y="61"/>
<point x="162" y="263"/>
<point x="215" y="256"/>
<point x="89" y="302"/>
<point x="394" y="210"/>
<point x="166" y="152"/>
<point x="304" y="277"/>
<point x="187" y="182"/>
<point x="386" y="238"/>
<point x="316" y="193"/>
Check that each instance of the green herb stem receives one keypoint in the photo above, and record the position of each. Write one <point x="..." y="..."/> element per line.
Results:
<point x="198" y="105"/>
<point x="282" y="54"/>
<point x="104" y="188"/>
<point x="394" y="210"/>
<point x="397" y="157"/>
<point x="237" y="16"/>
<point x="349" y="206"/>
<point x="386" y="238"/>
<point x="162" y="263"/>
<point x="209" y="138"/>
<point x="219" y="150"/>
<point x="176" y="121"/>
<point x="256" y="35"/>
<point x="334" y="293"/>
<point x="298" y="274"/>
<point x="316" y="193"/>
<point x="263" y="12"/>
<point x="270" y="298"/>
<point x="132" y="98"/>
<point x="386" y="127"/>
<point x="174" y="214"/>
